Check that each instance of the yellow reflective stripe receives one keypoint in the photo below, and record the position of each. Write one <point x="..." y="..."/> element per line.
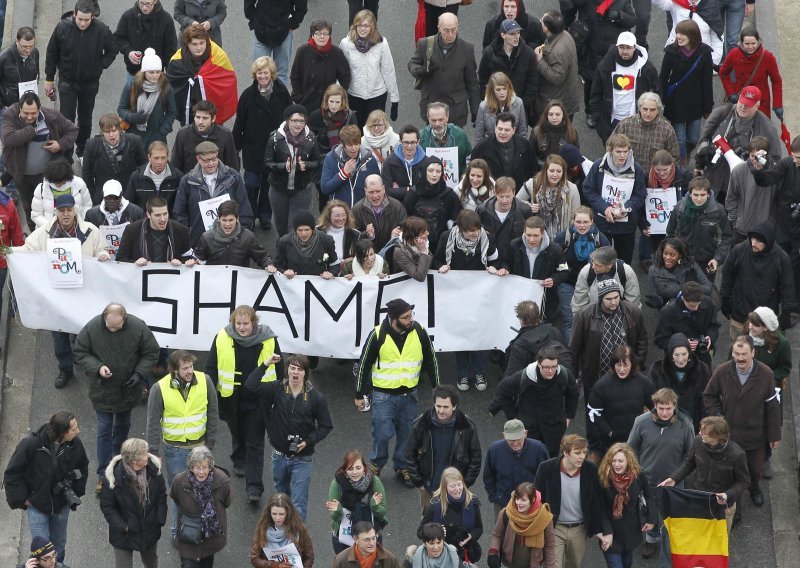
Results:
<point x="226" y="374"/>
<point x="269" y="375"/>
<point x="402" y="365"/>
<point x="184" y="419"/>
<point x="181" y="431"/>
<point x="395" y="377"/>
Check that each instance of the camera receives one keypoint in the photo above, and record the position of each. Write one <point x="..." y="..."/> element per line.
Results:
<point x="65" y="486"/>
<point x="702" y="345"/>
<point x="294" y="441"/>
<point x="795" y="207"/>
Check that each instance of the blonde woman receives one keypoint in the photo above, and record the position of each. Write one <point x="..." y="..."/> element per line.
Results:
<point x="500" y="97"/>
<point x="372" y="73"/>
<point x="551" y="195"/>
<point x="457" y="508"/>
<point x="337" y="221"/>
<point x="379" y="136"/>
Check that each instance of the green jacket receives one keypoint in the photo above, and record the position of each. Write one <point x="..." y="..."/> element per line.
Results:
<point x="455" y="137"/>
<point x="780" y="360"/>
<point x="131" y="349"/>
<point x="378" y="510"/>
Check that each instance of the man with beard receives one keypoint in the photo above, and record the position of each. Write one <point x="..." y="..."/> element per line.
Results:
<point x="202" y="129"/>
<point x="441" y="133"/>
<point x="394" y="355"/>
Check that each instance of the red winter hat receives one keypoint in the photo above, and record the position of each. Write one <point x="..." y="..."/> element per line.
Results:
<point x="750" y="96"/>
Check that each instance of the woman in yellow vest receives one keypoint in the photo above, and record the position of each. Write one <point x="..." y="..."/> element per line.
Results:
<point x="236" y="351"/>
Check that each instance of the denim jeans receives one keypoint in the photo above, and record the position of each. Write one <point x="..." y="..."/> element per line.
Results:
<point x="62" y="345"/>
<point x="565" y="293"/>
<point x="733" y="16"/>
<point x="471" y="363"/>
<point x="112" y="430"/>
<point x="392" y="415"/>
<point x="293" y="477"/>
<point x="619" y="559"/>
<point x="281" y="54"/>
<point x="51" y="527"/>
<point x="174" y="459"/>
<point x="687" y="132"/>
<point x="258" y="195"/>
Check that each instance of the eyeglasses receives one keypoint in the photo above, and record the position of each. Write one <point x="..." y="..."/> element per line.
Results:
<point x="297" y="120"/>
<point x="201" y="468"/>
<point x="548" y="367"/>
<point x="208" y="160"/>
<point x="409" y="142"/>
<point x="407" y="317"/>
<point x="322" y="34"/>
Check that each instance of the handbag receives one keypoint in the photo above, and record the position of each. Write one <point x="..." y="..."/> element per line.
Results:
<point x="190" y="529"/>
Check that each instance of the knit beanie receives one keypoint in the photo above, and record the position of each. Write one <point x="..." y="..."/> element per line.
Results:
<point x="294" y="109"/>
<point x="40" y="546"/>
<point x="606" y="286"/>
<point x="768" y="317"/>
<point x="303" y="218"/>
<point x="151" y="61"/>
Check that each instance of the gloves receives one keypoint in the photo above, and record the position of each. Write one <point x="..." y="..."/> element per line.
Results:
<point x="779" y="113"/>
<point x="474" y="117"/>
<point x="393" y="112"/>
<point x="785" y="319"/>
<point x="726" y="308"/>
<point x="137" y="118"/>
<point x="134" y="380"/>
<point x="733" y="98"/>
<point x="493" y="561"/>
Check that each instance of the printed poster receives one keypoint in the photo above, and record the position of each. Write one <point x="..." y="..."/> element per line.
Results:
<point x="449" y="158"/>
<point x="208" y="209"/>
<point x="346" y="528"/>
<point x="658" y="207"/>
<point x="65" y="263"/>
<point x="112" y="235"/>
<point x="616" y="192"/>
<point x="286" y="553"/>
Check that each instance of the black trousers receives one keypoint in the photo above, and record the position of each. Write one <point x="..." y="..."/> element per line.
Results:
<point x="78" y="99"/>
<point x="792" y="248"/>
<point x="247" y="441"/>
<point x="363" y="107"/>
<point x="432" y="14"/>
<point x="357" y="5"/>
<point x="623" y="244"/>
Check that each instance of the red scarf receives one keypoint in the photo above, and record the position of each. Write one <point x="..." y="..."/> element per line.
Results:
<point x="682" y="4"/>
<point x="603" y="7"/>
<point x="621" y="484"/>
<point x="653" y="181"/>
<point x="318" y="49"/>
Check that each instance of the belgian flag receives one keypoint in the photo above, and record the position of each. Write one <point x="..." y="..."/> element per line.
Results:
<point x="698" y="535"/>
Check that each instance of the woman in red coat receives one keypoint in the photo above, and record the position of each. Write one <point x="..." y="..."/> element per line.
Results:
<point x="741" y="61"/>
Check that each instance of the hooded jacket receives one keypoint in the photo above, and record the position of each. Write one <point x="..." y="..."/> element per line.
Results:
<point x="79" y="56"/>
<point x="406" y="174"/>
<point x="464" y="454"/>
<point x="128" y="213"/>
<point x="709" y="236"/>
<point x="752" y="279"/>
<point x="690" y="387"/>
<point x="137" y="31"/>
<point x="524" y="348"/>
<point x="278" y="151"/>
<point x="37" y="466"/>
<point x="437" y="204"/>
<point x="532" y="32"/>
<point x="132" y="526"/>
<point x="339" y="185"/>
<point x="592" y="192"/>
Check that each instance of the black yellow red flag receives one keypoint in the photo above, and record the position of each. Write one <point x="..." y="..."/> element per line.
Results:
<point x="698" y="535"/>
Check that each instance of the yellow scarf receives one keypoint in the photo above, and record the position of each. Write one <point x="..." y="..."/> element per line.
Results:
<point x="529" y="525"/>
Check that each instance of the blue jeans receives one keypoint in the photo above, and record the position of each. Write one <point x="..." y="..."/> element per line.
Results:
<point x="281" y="54"/>
<point x="258" y="195"/>
<point x="687" y="132"/>
<point x="51" y="527"/>
<point x="293" y="477"/>
<point x="112" y="430"/>
<point x="175" y="461"/>
<point x="733" y="15"/>
<point x="471" y="363"/>
<point x="619" y="559"/>
<point x="62" y="345"/>
<point x="392" y="415"/>
<point x="565" y="293"/>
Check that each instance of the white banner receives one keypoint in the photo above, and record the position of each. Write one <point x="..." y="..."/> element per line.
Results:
<point x="208" y="209"/>
<point x="658" y="207"/>
<point x="186" y="307"/>
<point x="65" y="266"/>
<point x="616" y="191"/>
<point x="449" y="158"/>
<point x="112" y="235"/>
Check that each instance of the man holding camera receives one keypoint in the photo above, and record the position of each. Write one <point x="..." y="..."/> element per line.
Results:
<point x="47" y="476"/>
<point x="116" y="351"/>
<point x="694" y="315"/>
<point x="297" y="419"/>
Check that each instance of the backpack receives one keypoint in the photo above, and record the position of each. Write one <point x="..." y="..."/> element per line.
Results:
<point x="387" y="252"/>
<point x="431" y="209"/>
<point x="620" y="271"/>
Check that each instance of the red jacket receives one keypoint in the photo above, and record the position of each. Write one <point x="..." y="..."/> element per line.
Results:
<point x="739" y="63"/>
<point x="11" y="231"/>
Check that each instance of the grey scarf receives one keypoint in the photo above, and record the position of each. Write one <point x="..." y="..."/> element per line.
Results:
<point x="146" y="102"/>
<point x="138" y="480"/>
<point x="447" y="559"/>
<point x="221" y="237"/>
<point x="261" y="333"/>
<point x="306" y="249"/>
<point x="456" y="239"/>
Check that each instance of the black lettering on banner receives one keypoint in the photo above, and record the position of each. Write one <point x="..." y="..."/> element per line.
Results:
<point x="356" y="293"/>
<point x="198" y="305"/>
<point x="272" y="282"/>
<point x="431" y="302"/>
<point x="173" y="329"/>
<point x="380" y="309"/>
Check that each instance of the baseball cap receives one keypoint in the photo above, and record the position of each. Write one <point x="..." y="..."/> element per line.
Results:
<point x="509" y="27"/>
<point x="750" y="96"/>
<point x="626" y="38"/>
<point x="514" y="430"/>
<point x="66" y="200"/>
<point x="112" y="187"/>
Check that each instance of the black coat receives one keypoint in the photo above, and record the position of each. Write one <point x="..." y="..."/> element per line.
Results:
<point x="394" y="171"/>
<point x="14" y="70"/>
<point x="276" y="154"/>
<point x="132" y="245"/>
<point x="604" y="30"/>
<point x="710" y="234"/>
<point x="137" y="31"/>
<point x="97" y="218"/>
<point x="456" y="525"/>
<point x="695" y="96"/>
<point x="140" y="187"/>
<point x="131" y="526"/>
<point x="523" y="163"/>
<point x="287" y="256"/>
<point x="532" y="32"/>
<point x="464" y="454"/>
<point x="549" y="263"/>
<point x="689" y="390"/>
<point x="674" y="318"/>
<point x="256" y="119"/>
<point x="524" y="348"/>
<point x="627" y="530"/>
<point x="621" y="401"/>
<point x="312" y="73"/>
<point x="97" y="168"/>
<point x="272" y="21"/>
<point x="239" y="252"/>
<point x="521" y="68"/>
<point x="79" y="56"/>
<point x="786" y="176"/>
<point x="31" y="474"/>
<point x="504" y="231"/>
<point x="548" y="482"/>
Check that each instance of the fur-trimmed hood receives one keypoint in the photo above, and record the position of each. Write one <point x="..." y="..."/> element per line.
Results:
<point x="153" y="461"/>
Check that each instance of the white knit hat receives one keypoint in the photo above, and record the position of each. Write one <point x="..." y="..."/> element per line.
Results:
<point x="151" y="61"/>
<point x="768" y="317"/>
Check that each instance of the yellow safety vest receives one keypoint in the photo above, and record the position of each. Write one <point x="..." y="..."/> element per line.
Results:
<point x="393" y="369"/>
<point x="226" y="363"/>
<point x="184" y="420"/>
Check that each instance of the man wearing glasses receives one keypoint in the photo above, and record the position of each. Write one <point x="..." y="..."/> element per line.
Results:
<point x="43" y="554"/>
<point x="200" y="192"/>
<point x="394" y="355"/>
<point x="403" y="169"/>
<point x="366" y="551"/>
<point x="145" y="25"/>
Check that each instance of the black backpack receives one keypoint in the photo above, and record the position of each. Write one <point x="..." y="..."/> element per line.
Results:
<point x="620" y="271"/>
<point x="431" y="209"/>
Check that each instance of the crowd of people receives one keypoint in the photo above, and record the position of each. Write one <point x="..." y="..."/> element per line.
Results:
<point x="512" y="195"/>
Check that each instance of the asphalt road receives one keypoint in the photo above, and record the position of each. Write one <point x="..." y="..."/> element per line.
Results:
<point x="752" y="543"/>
